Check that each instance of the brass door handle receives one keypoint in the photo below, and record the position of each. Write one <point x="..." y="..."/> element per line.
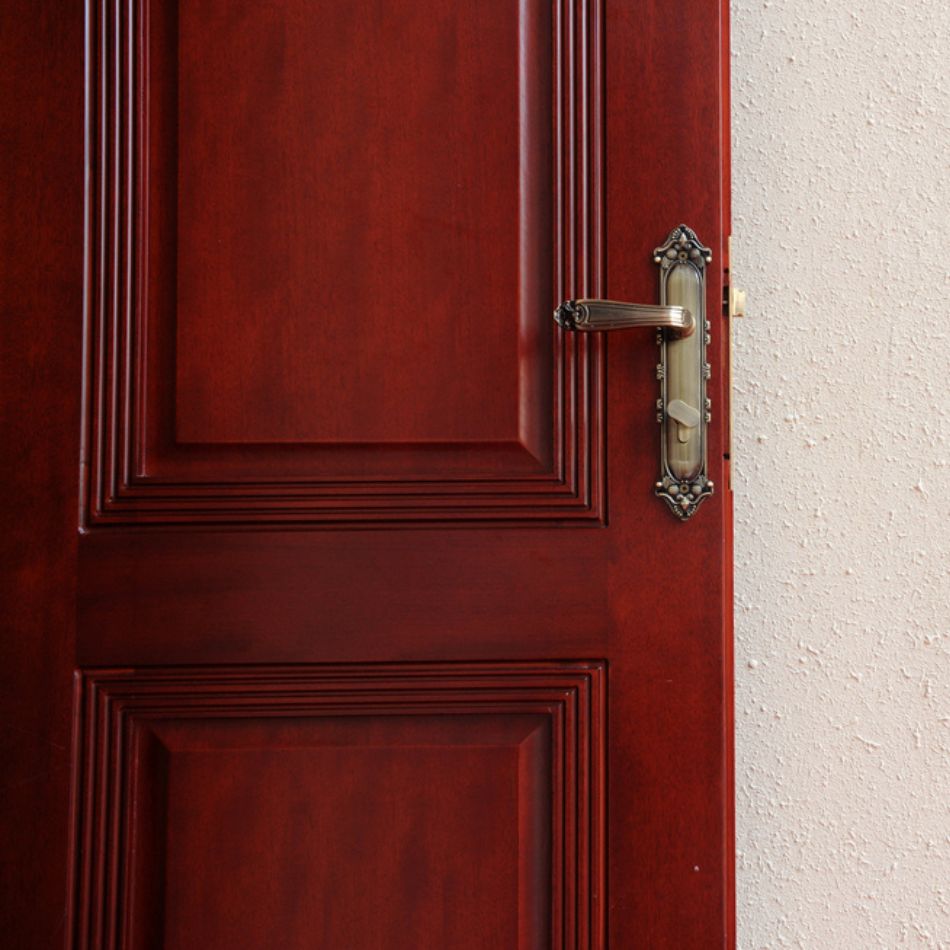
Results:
<point x="683" y="409"/>
<point x="596" y="315"/>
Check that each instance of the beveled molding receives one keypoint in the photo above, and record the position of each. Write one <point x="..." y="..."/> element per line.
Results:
<point x="119" y="714"/>
<point x="131" y="480"/>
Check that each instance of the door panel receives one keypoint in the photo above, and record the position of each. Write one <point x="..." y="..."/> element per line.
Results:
<point x="339" y="195"/>
<point x="450" y="806"/>
<point x="323" y="291"/>
<point x="378" y="635"/>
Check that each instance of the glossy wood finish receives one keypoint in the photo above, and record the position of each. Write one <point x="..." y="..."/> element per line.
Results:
<point x="340" y="277"/>
<point x="41" y="272"/>
<point x="347" y="321"/>
<point x="379" y="635"/>
<point x="458" y="805"/>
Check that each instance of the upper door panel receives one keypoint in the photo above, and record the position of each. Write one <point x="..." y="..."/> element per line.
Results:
<point x="327" y="239"/>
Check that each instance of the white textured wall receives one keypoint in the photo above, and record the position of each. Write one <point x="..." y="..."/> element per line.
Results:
<point x="842" y="473"/>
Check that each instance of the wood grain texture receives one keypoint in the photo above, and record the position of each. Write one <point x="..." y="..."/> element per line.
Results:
<point x="330" y="229"/>
<point x="665" y="163"/>
<point x="366" y="790"/>
<point x="201" y="565"/>
<point x="649" y="90"/>
<point x="281" y="334"/>
<point x="41" y="273"/>
<point x="328" y="597"/>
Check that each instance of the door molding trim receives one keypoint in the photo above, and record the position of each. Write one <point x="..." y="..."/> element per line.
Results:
<point x="133" y="723"/>
<point x="135" y="469"/>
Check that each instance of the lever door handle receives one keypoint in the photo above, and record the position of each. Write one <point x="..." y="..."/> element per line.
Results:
<point x="683" y="409"/>
<point x="596" y="315"/>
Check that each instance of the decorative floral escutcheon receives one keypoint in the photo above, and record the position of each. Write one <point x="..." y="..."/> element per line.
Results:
<point x="683" y="409"/>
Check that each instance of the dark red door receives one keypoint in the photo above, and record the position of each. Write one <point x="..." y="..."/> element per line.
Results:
<point x="340" y="610"/>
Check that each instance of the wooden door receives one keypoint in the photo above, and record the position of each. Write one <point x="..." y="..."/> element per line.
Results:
<point x="339" y="609"/>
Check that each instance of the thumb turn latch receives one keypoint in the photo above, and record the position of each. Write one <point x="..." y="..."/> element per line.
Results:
<point x="683" y="409"/>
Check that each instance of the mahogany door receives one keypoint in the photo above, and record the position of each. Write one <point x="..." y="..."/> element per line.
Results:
<point x="339" y="608"/>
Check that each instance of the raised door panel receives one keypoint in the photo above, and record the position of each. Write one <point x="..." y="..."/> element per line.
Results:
<point x="326" y="243"/>
<point x="426" y="806"/>
<point x="349" y="262"/>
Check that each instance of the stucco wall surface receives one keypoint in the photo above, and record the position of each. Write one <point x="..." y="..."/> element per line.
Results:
<point x="841" y="120"/>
